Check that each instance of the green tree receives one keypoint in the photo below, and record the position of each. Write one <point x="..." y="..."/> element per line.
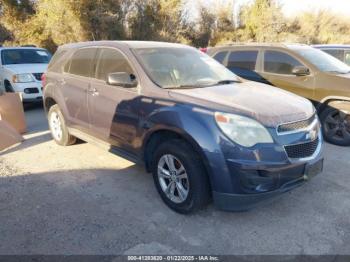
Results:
<point x="262" y="21"/>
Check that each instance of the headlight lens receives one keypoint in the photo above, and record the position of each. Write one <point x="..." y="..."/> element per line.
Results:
<point x="243" y="130"/>
<point x="23" y="78"/>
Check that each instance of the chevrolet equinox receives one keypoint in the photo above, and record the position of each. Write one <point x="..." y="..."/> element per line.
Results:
<point x="202" y="131"/>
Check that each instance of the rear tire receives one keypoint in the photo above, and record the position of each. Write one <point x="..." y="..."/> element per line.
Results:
<point x="59" y="130"/>
<point x="184" y="184"/>
<point x="336" y="127"/>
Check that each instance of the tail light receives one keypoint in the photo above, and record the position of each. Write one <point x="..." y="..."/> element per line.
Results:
<point x="43" y="80"/>
<point x="203" y="49"/>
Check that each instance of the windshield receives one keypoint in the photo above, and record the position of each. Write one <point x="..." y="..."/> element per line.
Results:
<point x="323" y="61"/>
<point x="25" y="56"/>
<point x="183" y="68"/>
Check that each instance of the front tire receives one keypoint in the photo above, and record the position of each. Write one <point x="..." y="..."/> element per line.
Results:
<point x="8" y="87"/>
<point x="180" y="177"/>
<point x="59" y="130"/>
<point x="336" y="127"/>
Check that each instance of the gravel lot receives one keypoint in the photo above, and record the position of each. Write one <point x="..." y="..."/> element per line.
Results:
<point x="83" y="200"/>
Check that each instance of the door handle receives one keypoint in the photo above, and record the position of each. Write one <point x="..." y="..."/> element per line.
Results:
<point x="93" y="91"/>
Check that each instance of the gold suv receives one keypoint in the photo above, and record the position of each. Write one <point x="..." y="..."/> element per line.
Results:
<point x="302" y="70"/>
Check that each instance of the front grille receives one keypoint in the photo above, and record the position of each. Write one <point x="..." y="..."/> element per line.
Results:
<point x="302" y="150"/>
<point x="32" y="90"/>
<point x="290" y="127"/>
<point x="38" y="76"/>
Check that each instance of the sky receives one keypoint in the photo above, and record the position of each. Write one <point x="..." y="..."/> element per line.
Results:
<point x="293" y="7"/>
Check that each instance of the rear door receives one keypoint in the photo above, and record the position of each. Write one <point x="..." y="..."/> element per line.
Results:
<point x="114" y="109"/>
<point x="75" y="85"/>
<point x="277" y="69"/>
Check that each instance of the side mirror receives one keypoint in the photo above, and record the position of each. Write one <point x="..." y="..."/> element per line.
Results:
<point x="301" y="71"/>
<point x="122" y="79"/>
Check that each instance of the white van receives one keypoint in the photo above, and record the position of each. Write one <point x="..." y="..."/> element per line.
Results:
<point x="21" y="69"/>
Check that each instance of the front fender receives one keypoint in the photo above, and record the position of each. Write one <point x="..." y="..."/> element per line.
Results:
<point x="198" y="127"/>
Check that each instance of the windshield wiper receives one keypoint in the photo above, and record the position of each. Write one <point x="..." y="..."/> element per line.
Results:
<point x="184" y="87"/>
<point x="194" y="86"/>
<point x="227" y="82"/>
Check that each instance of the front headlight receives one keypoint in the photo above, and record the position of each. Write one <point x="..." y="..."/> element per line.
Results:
<point x="242" y="130"/>
<point x="23" y="78"/>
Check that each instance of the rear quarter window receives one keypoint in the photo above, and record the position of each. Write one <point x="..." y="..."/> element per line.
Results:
<point x="57" y="61"/>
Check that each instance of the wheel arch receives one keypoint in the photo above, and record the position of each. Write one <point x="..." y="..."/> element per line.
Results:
<point x="157" y="137"/>
<point x="48" y="103"/>
<point x="337" y="102"/>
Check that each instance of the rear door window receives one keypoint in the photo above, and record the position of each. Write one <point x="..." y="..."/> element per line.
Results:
<point x="243" y="64"/>
<point x="242" y="60"/>
<point x="279" y="63"/>
<point x="220" y="57"/>
<point x="82" y="62"/>
<point x="111" y="61"/>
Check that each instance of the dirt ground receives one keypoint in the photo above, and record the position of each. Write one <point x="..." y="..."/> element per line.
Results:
<point x="83" y="200"/>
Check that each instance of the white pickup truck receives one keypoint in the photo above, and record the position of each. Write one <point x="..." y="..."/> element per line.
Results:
<point x="21" y="69"/>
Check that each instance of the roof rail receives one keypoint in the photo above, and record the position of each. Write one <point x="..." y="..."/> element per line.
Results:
<point x="262" y="44"/>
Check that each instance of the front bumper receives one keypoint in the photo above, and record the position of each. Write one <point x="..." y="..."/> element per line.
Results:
<point x="30" y="92"/>
<point x="275" y="181"/>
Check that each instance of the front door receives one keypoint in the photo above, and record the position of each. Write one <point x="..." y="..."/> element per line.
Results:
<point x="114" y="110"/>
<point x="277" y="69"/>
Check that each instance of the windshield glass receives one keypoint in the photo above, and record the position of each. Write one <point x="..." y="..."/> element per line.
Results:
<point x="323" y="61"/>
<point x="25" y="56"/>
<point x="183" y="67"/>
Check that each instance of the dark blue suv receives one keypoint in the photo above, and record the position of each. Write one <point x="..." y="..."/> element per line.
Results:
<point x="203" y="132"/>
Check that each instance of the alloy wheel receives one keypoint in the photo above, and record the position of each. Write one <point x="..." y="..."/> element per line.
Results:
<point x="337" y="125"/>
<point x="56" y="126"/>
<point x="173" y="178"/>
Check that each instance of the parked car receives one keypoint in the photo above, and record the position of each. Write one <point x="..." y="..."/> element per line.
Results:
<point x="342" y="52"/>
<point x="21" y="69"/>
<point x="200" y="130"/>
<point x="302" y="70"/>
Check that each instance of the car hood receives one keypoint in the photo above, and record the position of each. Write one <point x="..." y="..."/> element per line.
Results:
<point x="27" y="68"/>
<point x="269" y="105"/>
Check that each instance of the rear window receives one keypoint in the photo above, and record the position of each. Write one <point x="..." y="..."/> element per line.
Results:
<point x="242" y="60"/>
<point x="25" y="56"/>
<point x="279" y="63"/>
<point x="82" y="62"/>
<point x="220" y="57"/>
